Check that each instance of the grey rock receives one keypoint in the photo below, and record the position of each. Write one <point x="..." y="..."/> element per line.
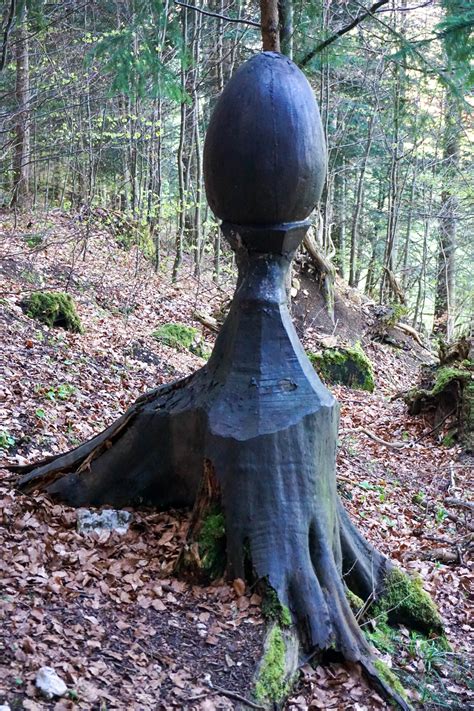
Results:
<point x="107" y="520"/>
<point x="49" y="683"/>
<point x="5" y="707"/>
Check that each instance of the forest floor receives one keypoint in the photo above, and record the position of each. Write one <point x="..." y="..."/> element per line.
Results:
<point x="104" y="609"/>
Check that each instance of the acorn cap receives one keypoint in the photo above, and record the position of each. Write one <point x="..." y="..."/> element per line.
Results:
<point x="265" y="153"/>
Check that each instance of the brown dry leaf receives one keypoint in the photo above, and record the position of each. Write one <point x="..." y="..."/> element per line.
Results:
<point x="239" y="586"/>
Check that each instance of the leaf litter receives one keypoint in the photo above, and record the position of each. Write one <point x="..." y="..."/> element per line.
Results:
<point x="104" y="609"/>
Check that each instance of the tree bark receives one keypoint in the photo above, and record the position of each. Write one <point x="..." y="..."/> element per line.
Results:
<point x="285" y="14"/>
<point x="444" y="295"/>
<point x="21" y="156"/>
<point x="270" y="28"/>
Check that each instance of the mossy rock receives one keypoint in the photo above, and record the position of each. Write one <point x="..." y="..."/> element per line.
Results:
<point x="181" y="337"/>
<point x="404" y="601"/>
<point x="345" y="366"/>
<point x="55" y="309"/>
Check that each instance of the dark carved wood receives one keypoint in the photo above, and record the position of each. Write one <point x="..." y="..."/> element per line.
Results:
<point x="264" y="155"/>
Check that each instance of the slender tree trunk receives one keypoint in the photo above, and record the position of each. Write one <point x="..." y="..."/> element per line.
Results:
<point x="285" y="12"/>
<point x="181" y="167"/>
<point x="444" y="296"/>
<point x="21" y="155"/>
<point x="406" y="246"/>
<point x="358" y="205"/>
<point x="270" y="25"/>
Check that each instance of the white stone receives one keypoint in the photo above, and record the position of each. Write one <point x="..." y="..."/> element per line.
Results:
<point x="49" y="683"/>
<point x="5" y="707"/>
<point x="106" y="520"/>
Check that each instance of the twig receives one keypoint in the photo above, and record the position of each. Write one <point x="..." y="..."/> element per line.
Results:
<point x="303" y="62"/>
<point x="250" y="23"/>
<point x="452" y="481"/>
<point x="234" y="695"/>
<point x="459" y="503"/>
<point x="379" y="440"/>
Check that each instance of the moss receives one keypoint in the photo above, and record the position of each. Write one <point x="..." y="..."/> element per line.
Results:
<point x="180" y="337"/>
<point x="271" y="684"/>
<point x="382" y="637"/>
<point x="55" y="309"/>
<point x="273" y="609"/>
<point x="212" y="543"/>
<point x="405" y="601"/>
<point x="354" y="601"/>
<point x="348" y="366"/>
<point x="444" y="376"/>
<point x="387" y="675"/>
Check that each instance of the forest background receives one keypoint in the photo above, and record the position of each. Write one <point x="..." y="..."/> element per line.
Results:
<point x="104" y="106"/>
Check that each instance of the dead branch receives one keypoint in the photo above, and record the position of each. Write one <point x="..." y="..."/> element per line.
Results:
<point x="411" y="332"/>
<point x="459" y="503"/>
<point x="207" y="321"/>
<point x="379" y="440"/>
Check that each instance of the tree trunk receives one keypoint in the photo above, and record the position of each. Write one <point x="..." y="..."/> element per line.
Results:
<point x="21" y="156"/>
<point x="444" y="296"/>
<point x="285" y="14"/>
<point x="269" y="22"/>
<point x="358" y="205"/>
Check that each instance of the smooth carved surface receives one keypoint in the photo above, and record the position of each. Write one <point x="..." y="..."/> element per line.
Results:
<point x="265" y="154"/>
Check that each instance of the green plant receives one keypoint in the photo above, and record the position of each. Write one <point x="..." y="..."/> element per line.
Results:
<point x="6" y="440"/>
<point x="33" y="239"/>
<point x="63" y="391"/>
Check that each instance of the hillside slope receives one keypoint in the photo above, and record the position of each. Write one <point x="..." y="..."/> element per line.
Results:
<point x="106" y="611"/>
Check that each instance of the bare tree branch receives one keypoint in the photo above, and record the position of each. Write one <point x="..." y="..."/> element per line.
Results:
<point x="344" y="30"/>
<point x="250" y="23"/>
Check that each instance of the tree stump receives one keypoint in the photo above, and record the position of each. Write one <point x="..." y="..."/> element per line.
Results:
<point x="251" y="437"/>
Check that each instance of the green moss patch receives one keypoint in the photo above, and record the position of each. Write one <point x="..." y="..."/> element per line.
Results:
<point x="387" y="675"/>
<point x="346" y="366"/>
<point x="211" y="542"/>
<point x="405" y="601"/>
<point x="181" y="337"/>
<point x="55" y="309"/>
<point x="273" y="609"/>
<point x="354" y="601"/>
<point x="272" y="685"/>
